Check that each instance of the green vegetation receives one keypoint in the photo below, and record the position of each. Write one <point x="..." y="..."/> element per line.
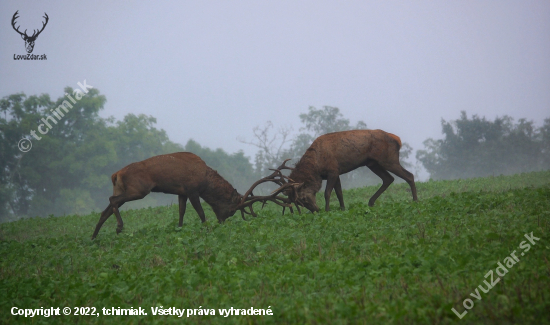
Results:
<point x="399" y="262"/>
<point x="68" y="169"/>
<point x="477" y="147"/>
<point x="75" y="151"/>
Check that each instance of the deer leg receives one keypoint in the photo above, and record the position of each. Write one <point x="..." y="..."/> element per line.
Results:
<point x="111" y="208"/>
<point x="118" y="201"/>
<point x="398" y="170"/>
<point x="387" y="179"/>
<point x="104" y="216"/>
<point x="120" y="224"/>
<point x="182" y="199"/>
<point x="331" y="181"/>
<point x="196" y="202"/>
<point x="339" y="195"/>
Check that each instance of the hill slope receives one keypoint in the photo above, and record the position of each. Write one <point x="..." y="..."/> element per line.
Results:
<point x="396" y="263"/>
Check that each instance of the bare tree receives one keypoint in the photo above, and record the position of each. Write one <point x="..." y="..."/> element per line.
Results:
<point x="271" y="145"/>
<point x="277" y="145"/>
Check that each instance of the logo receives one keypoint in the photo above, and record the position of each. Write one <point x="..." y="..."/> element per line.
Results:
<point x="29" y="40"/>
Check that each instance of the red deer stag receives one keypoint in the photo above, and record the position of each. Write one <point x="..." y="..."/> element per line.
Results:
<point x="337" y="153"/>
<point x="186" y="175"/>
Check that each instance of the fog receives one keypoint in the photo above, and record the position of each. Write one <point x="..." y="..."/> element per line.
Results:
<point x="212" y="70"/>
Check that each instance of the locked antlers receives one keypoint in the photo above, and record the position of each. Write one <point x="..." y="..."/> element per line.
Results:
<point x="286" y="186"/>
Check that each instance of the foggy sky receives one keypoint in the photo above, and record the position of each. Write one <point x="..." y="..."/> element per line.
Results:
<point x="212" y="70"/>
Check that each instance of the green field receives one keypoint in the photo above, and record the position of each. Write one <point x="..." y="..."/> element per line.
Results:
<point x="396" y="263"/>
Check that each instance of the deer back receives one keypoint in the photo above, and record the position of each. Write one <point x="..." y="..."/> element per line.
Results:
<point x="345" y="151"/>
<point x="180" y="173"/>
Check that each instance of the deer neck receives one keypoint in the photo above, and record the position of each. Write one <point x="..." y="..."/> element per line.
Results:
<point x="306" y="172"/>
<point x="219" y="192"/>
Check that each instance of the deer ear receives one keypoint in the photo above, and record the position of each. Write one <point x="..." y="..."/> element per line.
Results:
<point x="23" y="36"/>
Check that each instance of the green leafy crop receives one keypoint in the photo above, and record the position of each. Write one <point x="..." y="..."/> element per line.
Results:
<point x="400" y="262"/>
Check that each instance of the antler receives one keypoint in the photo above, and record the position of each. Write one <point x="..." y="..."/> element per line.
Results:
<point x="43" y="26"/>
<point x="278" y="178"/>
<point x="34" y="34"/>
<point x="13" y="24"/>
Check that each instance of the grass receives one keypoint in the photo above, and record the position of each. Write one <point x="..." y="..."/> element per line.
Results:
<point x="396" y="263"/>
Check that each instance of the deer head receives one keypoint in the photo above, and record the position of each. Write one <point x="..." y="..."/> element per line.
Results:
<point x="29" y="40"/>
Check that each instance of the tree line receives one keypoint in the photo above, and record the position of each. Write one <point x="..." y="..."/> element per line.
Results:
<point x="68" y="170"/>
<point x="477" y="147"/>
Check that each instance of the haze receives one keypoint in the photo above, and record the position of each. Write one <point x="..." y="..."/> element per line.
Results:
<point x="212" y="70"/>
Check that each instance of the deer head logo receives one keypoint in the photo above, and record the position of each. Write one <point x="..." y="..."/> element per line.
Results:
<point x="29" y="40"/>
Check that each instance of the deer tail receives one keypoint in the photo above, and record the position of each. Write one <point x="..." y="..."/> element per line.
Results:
<point x="396" y="138"/>
<point x="114" y="178"/>
<point x="118" y="183"/>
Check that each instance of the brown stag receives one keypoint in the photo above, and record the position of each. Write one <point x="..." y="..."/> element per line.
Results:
<point x="186" y="175"/>
<point x="334" y="154"/>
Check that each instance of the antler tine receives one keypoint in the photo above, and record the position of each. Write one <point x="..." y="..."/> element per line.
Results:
<point x="35" y="33"/>
<point x="272" y="198"/>
<point x="13" y="23"/>
<point x="43" y="25"/>
<point x="243" y="211"/>
<point x="270" y="178"/>
<point x="252" y="213"/>
<point x="283" y="166"/>
<point x="286" y="177"/>
<point x="297" y="206"/>
<point x="263" y="180"/>
<point x="276" y="177"/>
<point x="279" y="200"/>
<point x="296" y="201"/>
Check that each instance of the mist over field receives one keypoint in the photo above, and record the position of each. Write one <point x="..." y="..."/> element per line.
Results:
<point x="460" y="89"/>
<point x="250" y="84"/>
<point x="67" y="169"/>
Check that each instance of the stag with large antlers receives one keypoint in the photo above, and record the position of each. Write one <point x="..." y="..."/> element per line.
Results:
<point x="29" y="40"/>
<point x="334" y="154"/>
<point x="186" y="175"/>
